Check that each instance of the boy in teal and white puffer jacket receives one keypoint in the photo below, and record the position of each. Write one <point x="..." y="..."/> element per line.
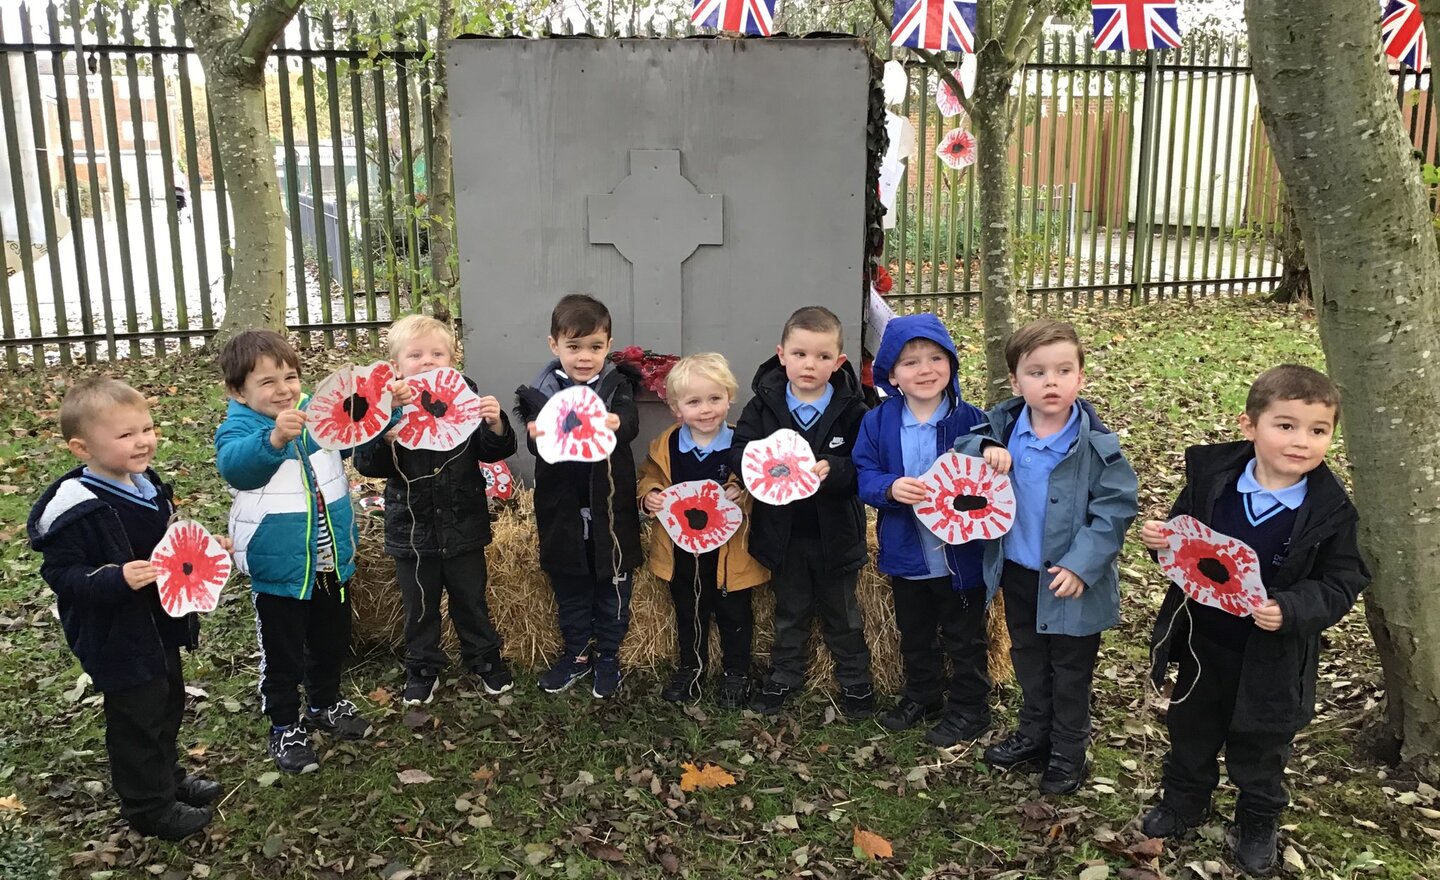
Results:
<point x="294" y="532"/>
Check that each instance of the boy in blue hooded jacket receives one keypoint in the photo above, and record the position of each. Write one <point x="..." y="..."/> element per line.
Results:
<point x="939" y="589"/>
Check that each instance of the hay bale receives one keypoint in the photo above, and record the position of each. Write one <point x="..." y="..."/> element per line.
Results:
<point x="523" y="608"/>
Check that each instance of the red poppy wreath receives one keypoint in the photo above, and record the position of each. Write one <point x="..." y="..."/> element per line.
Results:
<point x="968" y="500"/>
<point x="780" y="468"/>
<point x="351" y="406"/>
<point x="1211" y="568"/>
<point x="697" y="516"/>
<point x="443" y="411"/>
<point x="191" y="568"/>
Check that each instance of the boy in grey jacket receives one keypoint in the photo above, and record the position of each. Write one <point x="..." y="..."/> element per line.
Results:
<point x="1075" y="497"/>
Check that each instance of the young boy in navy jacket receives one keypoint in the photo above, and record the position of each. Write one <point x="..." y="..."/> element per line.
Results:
<point x="1075" y="496"/>
<point x="1247" y="684"/>
<point x="936" y="586"/>
<point x="97" y="527"/>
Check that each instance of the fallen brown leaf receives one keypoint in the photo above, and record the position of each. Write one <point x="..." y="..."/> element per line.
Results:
<point x="872" y="845"/>
<point x="707" y="777"/>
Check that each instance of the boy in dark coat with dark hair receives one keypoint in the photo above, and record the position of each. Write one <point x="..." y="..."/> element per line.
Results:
<point x="814" y="547"/>
<point x="580" y="505"/>
<point x="1248" y="685"/>
<point x="97" y="527"/>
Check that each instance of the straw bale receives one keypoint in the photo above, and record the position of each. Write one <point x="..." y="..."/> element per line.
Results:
<point x="523" y="608"/>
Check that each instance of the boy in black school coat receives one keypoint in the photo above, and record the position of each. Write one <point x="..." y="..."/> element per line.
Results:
<point x="1253" y="687"/>
<point x="814" y="547"/>
<point x="97" y="527"/>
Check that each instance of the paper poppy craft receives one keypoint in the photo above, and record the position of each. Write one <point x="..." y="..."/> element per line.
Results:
<point x="957" y="149"/>
<point x="352" y="406"/>
<point x="499" y="482"/>
<point x="968" y="500"/>
<point x="191" y="568"/>
<point x="697" y="516"/>
<point x="945" y="99"/>
<point x="572" y="427"/>
<point x="780" y="468"/>
<point x="443" y="411"/>
<point x="1211" y="568"/>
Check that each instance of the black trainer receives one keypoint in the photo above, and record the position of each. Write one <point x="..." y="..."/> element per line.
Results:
<point x="342" y="720"/>
<point x="857" y="701"/>
<point x="290" y="747"/>
<point x="1254" y="843"/>
<point x="495" y="676"/>
<point x="957" y="727"/>
<point x="419" y="688"/>
<point x="197" y="791"/>
<point x="907" y="713"/>
<point x="567" y="670"/>
<point x="175" y="822"/>
<point x="607" y="677"/>
<point x="1168" y="821"/>
<point x="734" y="690"/>
<point x="683" y="686"/>
<point x="1064" y="774"/>
<point x="771" y="697"/>
<point x="1016" y="749"/>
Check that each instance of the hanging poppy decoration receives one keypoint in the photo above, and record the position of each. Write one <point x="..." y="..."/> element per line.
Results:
<point x="945" y="100"/>
<point x="780" y="468"/>
<point x="443" y="411"/>
<point x="191" y="569"/>
<point x="697" y="516"/>
<point x="1211" y="568"/>
<point x="957" y="149"/>
<point x="968" y="500"/>
<point x="352" y="406"/>
<point x="499" y="482"/>
<point x="572" y="426"/>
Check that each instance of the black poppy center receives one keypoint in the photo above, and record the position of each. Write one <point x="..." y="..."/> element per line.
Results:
<point x="779" y="470"/>
<point x="1213" y="569"/>
<point x="187" y="568"/>
<point x="357" y="406"/>
<point x="696" y="518"/>
<point x="967" y="503"/>
<point x="433" y="405"/>
<point x="572" y="421"/>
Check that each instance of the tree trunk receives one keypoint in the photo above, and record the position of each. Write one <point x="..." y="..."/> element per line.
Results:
<point x="1373" y="258"/>
<point x="444" y="264"/>
<point x="1294" y="283"/>
<point x="234" y="62"/>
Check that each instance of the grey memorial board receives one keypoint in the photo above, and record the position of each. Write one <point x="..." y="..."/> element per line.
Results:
<point x="702" y="189"/>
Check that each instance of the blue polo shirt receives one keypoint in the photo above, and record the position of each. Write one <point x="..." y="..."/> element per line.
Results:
<point x="807" y="414"/>
<point x="140" y="489"/>
<point x="1032" y="460"/>
<point x="1261" y="504"/>
<point x="917" y="450"/>
<point x="719" y="443"/>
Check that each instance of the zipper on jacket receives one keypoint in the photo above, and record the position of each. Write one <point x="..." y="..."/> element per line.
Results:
<point x="309" y="517"/>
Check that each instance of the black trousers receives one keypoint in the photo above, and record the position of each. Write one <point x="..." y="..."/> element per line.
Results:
<point x="931" y="613"/>
<point x="422" y="581"/>
<point x="141" y="724"/>
<point x="1054" y="672"/>
<point x="593" y="607"/>
<point x="804" y="586"/>
<point x="1200" y="726"/>
<point x="697" y="601"/>
<point x="302" y="641"/>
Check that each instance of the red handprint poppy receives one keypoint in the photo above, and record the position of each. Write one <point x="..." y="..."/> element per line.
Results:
<point x="968" y="500"/>
<point x="499" y="482"/>
<point x="945" y="99"/>
<point x="697" y="516"/>
<point x="351" y="406"/>
<point x="572" y="427"/>
<point x="957" y="149"/>
<point x="780" y="468"/>
<point x="443" y="411"/>
<point x="191" y="568"/>
<point x="1211" y="568"/>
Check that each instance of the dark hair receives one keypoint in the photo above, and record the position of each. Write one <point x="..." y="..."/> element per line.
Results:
<point x="244" y="350"/>
<point x="1037" y="333"/>
<point x="1291" y="382"/>
<point x="816" y="319"/>
<point x="579" y="314"/>
<point x="91" y="397"/>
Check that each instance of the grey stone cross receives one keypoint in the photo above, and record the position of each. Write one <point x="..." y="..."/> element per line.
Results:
<point x="656" y="219"/>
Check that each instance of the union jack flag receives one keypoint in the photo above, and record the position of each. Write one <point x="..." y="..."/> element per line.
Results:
<point x="1403" y="34"/>
<point x="743" y="16"/>
<point x="1135" y="24"/>
<point x="940" y="25"/>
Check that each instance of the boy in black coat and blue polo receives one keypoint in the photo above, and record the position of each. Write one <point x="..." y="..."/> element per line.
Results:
<point x="1248" y="685"/>
<point x="814" y="547"/>
<point x="97" y="527"/>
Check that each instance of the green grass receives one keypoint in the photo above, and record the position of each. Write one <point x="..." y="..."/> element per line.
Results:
<point x="532" y="785"/>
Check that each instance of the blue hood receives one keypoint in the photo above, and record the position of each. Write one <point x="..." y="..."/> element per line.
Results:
<point x="900" y="331"/>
